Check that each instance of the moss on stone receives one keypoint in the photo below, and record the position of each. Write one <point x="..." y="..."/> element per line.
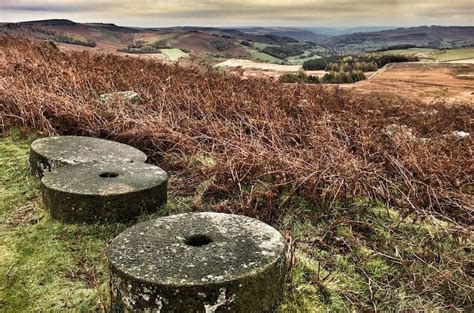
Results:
<point x="54" y="152"/>
<point x="190" y="262"/>
<point x="106" y="192"/>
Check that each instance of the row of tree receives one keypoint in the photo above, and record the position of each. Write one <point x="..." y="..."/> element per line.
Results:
<point x="73" y="39"/>
<point x="355" y="63"/>
<point x="331" y="77"/>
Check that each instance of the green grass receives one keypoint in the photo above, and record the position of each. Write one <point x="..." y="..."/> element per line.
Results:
<point x="261" y="56"/>
<point x="456" y="54"/>
<point x="434" y="54"/>
<point x="173" y="54"/>
<point x="356" y="257"/>
<point x="315" y="53"/>
<point x="74" y="39"/>
<point x="301" y="59"/>
<point x="257" y="55"/>
<point x="259" y="45"/>
<point x="365" y="257"/>
<point x="45" y="265"/>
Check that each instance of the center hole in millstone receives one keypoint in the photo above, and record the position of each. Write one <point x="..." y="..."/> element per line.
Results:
<point x="108" y="175"/>
<point x="198" y="240"/>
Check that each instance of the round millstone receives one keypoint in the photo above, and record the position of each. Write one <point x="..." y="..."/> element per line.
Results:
<point x="53" y="152"/>
<point x="198" y="262"/>
<point x="103" y="192"/>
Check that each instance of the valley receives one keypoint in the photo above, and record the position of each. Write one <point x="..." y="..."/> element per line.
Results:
<point x="273" y="52"/>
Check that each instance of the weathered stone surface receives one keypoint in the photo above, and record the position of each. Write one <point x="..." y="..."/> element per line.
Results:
<point x="103" y="192"/>
<point x="198" y="262"/>
<point x="52" y="152"/>
<point x="128" y="96"/>
<point x="461" y="134"/>
<point x="400" y="130"/>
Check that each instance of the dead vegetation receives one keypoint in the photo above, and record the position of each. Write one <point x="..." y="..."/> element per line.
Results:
<point x="249" y="146"/>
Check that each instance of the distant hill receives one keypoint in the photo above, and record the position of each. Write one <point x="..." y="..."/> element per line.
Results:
<point x="52" y="22"/>
<point x="273" y="44"/>
<point x="337" y="31"/>
<point x="423" y="36"/>
<point x="295" y="33"/>
<point x="113" y="27"/>
<point x="270" y="44"/>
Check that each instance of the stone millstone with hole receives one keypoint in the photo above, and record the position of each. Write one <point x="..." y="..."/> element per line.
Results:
<point x="104" y="192"/>
<point x="198" y="262"/>
<point x="53" y="152"/>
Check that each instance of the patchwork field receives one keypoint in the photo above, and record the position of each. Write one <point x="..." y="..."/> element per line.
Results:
<point x="173" y="54"/>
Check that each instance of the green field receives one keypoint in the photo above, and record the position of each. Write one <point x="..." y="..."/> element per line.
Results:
<point x="173" y="54"/>
<point x="257" y="55"/>
<point x="261" y="56"/>
<point x="314" y="53"/>
<point x="434" y="54"/>
<point x="301" y="60"/>
<point x="456" y="54"/>
<point x="259" y="45"/>
<point x="74" y="39"/>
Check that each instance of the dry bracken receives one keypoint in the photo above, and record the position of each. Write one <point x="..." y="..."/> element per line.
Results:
<point x="249" y="145"/>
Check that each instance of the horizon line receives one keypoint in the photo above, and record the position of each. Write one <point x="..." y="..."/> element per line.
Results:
<point x="248" y="26"/>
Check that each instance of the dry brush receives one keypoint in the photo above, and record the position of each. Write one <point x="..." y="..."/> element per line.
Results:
<point x="251" y="145"/>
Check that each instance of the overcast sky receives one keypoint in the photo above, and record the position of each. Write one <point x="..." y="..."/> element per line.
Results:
<point x="346" y="13"/>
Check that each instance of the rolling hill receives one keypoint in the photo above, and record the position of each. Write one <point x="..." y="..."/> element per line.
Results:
<point x="286" y="45"/>
<point x="423" y="36"/>
<point x="272" y="46"/>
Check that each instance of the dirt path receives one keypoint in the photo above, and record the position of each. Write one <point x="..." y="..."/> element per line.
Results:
<point x="381" y="70"/>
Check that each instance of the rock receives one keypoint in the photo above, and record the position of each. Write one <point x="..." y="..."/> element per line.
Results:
<point x="429" y="113"/>
<point x="53" y="152"/>
<point x="198" y="262"/>
<point x="103" y="192"/>
<point x="401" y="130"/>
<point x="128" y="96"/>
<point x="461" y="134"/>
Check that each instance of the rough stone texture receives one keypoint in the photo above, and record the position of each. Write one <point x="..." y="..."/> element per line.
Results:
<point x="461" y="134"/>
<point x="129" y="96"/>
<point x="240" y="266"/>
<point x="401" y="130"/>
<point x="52" y="152"/>
<point x="85" y="193"/>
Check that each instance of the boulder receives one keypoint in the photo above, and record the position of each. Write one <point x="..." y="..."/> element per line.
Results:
<point x="127" y="96"/>
<point x="461" y="134"/>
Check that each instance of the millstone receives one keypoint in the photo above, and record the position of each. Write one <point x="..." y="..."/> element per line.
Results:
<point x="197" y="262"/>
<point x="52" y="152"/>
<point x="103" y="192"/>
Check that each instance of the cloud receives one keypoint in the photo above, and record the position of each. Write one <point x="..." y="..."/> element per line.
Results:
<point x="460" y="9"/>
<point x="255" y="12"/>
<point x="51" y="7"/>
